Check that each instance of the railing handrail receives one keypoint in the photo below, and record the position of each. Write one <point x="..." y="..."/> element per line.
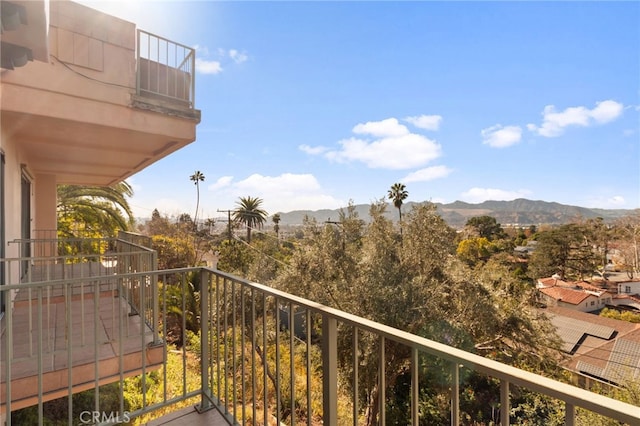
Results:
<point x="72" y="256"/>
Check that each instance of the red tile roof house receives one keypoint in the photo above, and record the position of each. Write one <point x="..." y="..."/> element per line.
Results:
<point x="580" y="296"/>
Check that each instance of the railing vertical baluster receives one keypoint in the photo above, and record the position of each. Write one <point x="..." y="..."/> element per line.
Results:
<point x="504" y="403"/>
<point x="382" y="384"/>
<point x="183" y="332"/>
<point x="165" y="281"/>
<point x="30" y="322"/>
<point x="356" y="377"/>
<point x="265" y="365"/>
<point x="254" y="383"/>
<point x="455" y="394"/>
<point x="218" y="338"/>
<point x="292" y="366"/>
<point x="8" y="356"/>
<point x="205" y="392"/>
<point x="569" y="414"/>
<point x="226" y="345"/>
<point x="234" y="390"/>
<point x="143" y="343"/>
<point x="415" y="386"/>
<point x="192" y="54"/>
<point x="40" y="369"/>
<point x="69" y="360"/>
<point x="329" y="370"/>
<point x="167" y="68"/>
<point x="308" y="342"/>
<point x="154" y="298"/>
<point x="213" y="339"/>
<point x="82" y="326"/>
<point x="277" y="381"/>
<point x="243" y="327"/>
<point x="96" y="352"/>
<point x="113" y="286"/>
<point x="157" y="42"/>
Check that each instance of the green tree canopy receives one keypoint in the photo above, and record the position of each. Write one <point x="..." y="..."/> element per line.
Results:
<point x="485" y="227"/>
<point x="93" y="210"/>
<point x="566" y="251"/>
<point x="418" y="286"/>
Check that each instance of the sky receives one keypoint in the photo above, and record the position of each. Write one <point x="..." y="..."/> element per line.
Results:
<point x="311" y="105"/>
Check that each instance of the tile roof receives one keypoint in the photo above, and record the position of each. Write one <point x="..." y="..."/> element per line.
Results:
<point x="551" y="282"/>
<point x="567" y="295"/>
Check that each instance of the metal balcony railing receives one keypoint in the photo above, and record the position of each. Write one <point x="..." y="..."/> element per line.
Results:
<point x="165" y="70"/>
<point x="259" y="355"/>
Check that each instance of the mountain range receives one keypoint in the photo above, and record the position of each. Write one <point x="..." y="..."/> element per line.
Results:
<point x="520" y="212"/>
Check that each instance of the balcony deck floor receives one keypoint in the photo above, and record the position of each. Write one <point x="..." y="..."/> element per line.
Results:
<point x="81" y="341"/>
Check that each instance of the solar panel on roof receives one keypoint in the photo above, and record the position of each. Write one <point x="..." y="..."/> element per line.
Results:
<point x="589" y="369"/>
<point x="624" y="361"/>
<point x="571" y="331"/>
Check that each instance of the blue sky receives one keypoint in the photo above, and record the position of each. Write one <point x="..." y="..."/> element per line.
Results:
<point x="308" y="105"/>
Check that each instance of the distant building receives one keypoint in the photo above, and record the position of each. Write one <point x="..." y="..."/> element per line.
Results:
<point x="579" y="296"/>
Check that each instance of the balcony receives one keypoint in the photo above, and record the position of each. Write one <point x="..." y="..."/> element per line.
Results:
<point x="123" y="318"/>
<point x="104" y="101"/>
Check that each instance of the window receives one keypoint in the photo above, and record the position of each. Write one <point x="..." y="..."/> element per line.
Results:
<point x="627" y="289"/>
<point x="593" y="303"/>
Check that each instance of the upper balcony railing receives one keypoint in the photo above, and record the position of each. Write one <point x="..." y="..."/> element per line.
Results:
<point x="266" y="356"/>
<point x="165" y="70"/>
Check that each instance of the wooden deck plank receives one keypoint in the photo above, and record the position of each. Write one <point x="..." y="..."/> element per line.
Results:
<point x="112" y="316"/>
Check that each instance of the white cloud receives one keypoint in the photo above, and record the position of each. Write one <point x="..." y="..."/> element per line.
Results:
<point x="238" y="57"/>
<point x="602" y="201"/>
<point x="201" y="50"/>
<point x="208" y="67"/>
<point x="501" y="137"/>
<point x="426" y="122"/>
<point x="617" y="200"/>
<point x="312" y="150"/>
<point x="391" y="146"/>
<point x="430" y="173"/>
<point x="222" y="182"/>
<point x="282" y="193"/>
<point x="478" y="195"/>
<point x="385" y="128"/>
<point x="554" y="122"/>
<point x="400" y="152"/>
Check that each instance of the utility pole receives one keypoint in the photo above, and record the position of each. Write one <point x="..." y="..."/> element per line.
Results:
<point x="228" y="221"/>
<point x="340" y="226"/>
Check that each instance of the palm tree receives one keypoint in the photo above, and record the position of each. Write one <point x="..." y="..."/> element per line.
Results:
<point x="197" y="177"/>
<point x="398" y="193"/>
<point x="250" y="213"/>
<point x="97" y="210"/>
<point x="276" y="221"/>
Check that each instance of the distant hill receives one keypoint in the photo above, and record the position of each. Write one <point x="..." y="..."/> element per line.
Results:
<point x="522" y="212"/>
